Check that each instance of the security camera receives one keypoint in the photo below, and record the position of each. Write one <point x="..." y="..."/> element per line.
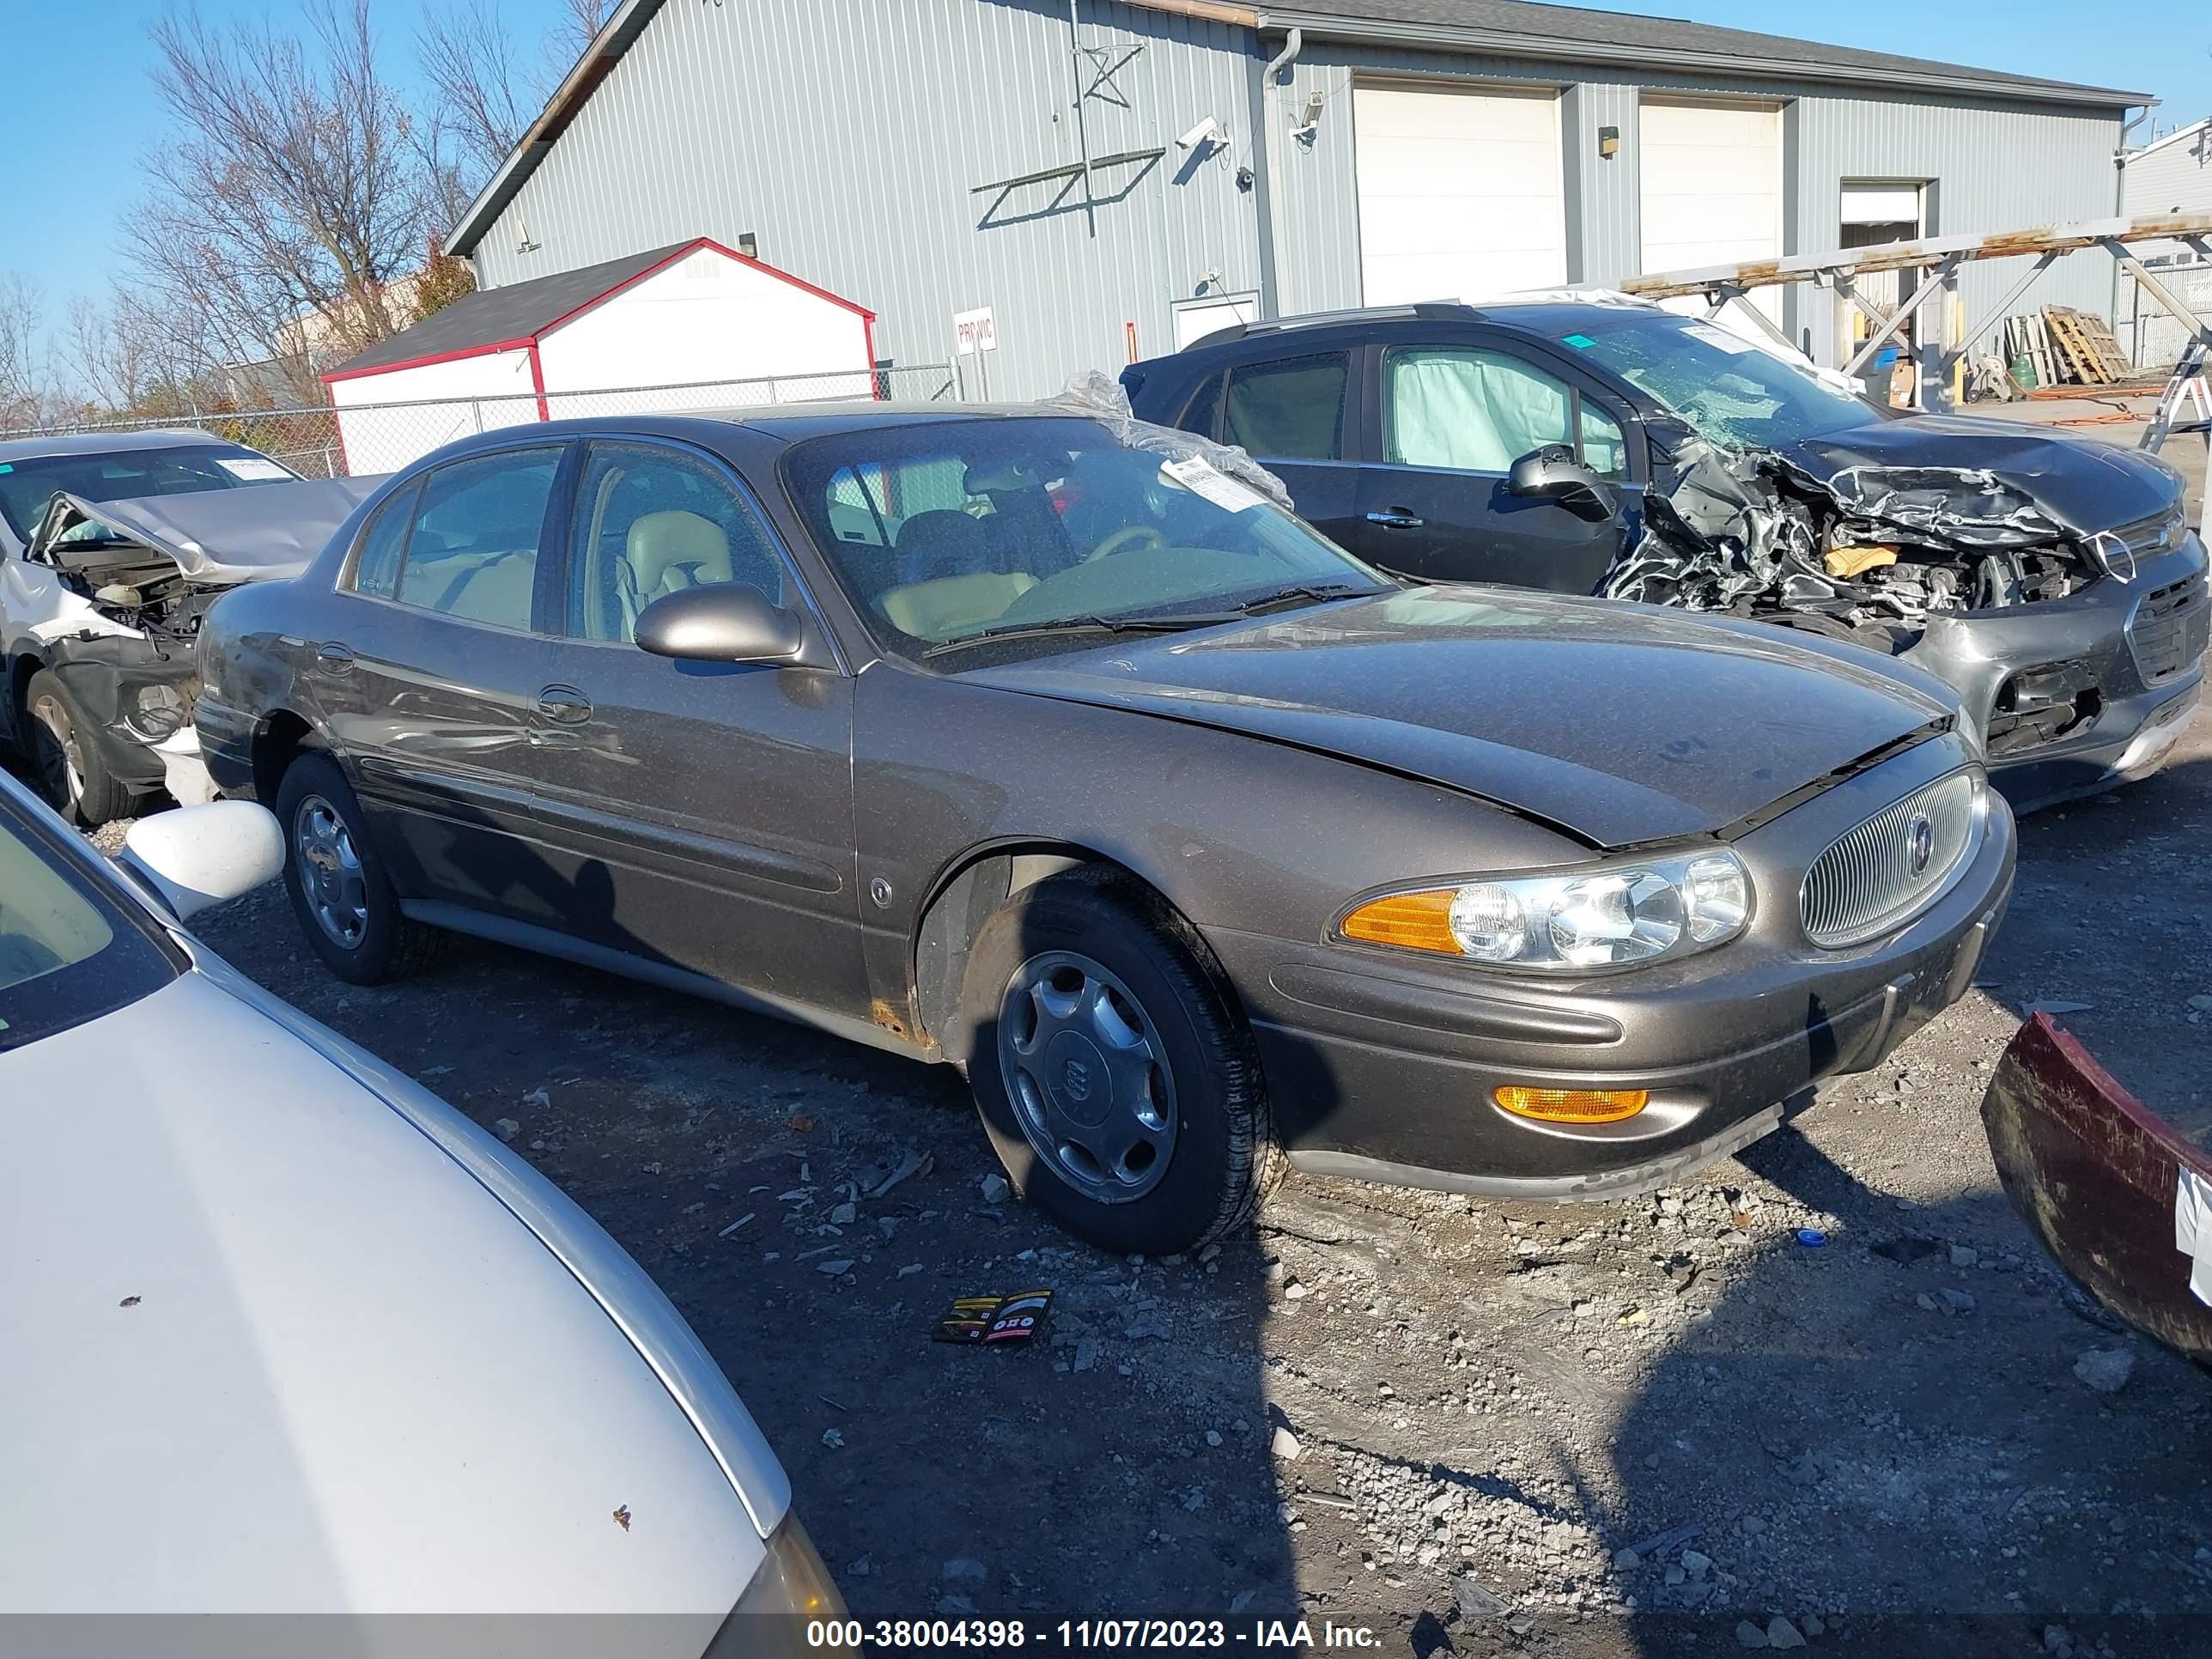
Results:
<point x="1207" y="131"/>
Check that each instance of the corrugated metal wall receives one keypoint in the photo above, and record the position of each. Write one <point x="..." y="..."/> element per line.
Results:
<point x="846" y="135"/>
<point x="2169" y="177"/>
<point x="1994" y="169"/>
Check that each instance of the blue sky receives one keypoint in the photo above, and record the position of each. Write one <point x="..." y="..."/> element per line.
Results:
<point x="79" y="124"/>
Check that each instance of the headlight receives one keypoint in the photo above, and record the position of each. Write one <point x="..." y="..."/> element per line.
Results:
<point x="156" y="712"/>
<point x="1612" y="916"/>
<point x="791" y="1606"/>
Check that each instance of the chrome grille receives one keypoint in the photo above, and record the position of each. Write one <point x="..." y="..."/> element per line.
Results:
<point x="2163" y="529"/>
<point x="2169" y="630"/>
<point x="1865" y="883"/>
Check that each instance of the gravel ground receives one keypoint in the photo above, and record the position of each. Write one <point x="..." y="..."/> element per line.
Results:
<point x="1666" y="1425"/>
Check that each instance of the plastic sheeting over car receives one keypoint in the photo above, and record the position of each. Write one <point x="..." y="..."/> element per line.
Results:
<point x="1091" y="395"/>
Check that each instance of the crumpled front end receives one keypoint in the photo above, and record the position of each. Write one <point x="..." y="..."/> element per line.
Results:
<point x="2077" y="650"/>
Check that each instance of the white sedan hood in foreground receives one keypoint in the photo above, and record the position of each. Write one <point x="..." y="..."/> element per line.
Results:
<point x="267" y="1346"/>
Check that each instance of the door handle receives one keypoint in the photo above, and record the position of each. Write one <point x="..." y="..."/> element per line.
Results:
<point x="1395" y="518"/>
<point x="334" y="657"/>
<point x="565" y="704"/>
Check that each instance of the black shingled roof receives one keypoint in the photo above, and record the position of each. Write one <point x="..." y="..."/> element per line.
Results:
<point x="1527" y="30"/>
<point x="494" y="316"/>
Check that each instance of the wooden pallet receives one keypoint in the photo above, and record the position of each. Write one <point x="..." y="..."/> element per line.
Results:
<point x="2025" y="336"/>
<point x="2093" y="356"/>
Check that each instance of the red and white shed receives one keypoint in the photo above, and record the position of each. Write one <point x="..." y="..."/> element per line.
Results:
<point x="692" y="326"/>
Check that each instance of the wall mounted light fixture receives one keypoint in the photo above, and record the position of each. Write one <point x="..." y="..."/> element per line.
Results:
<point x="1608" y="141"/>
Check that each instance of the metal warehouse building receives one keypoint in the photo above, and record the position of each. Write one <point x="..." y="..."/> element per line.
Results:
<point x="1107" y="176"/>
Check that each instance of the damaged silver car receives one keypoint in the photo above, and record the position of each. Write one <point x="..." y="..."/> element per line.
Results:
<point x="1598" y="445"/>
<point x="113" y="547"/>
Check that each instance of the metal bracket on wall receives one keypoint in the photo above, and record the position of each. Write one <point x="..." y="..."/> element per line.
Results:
<point x="1104" y="71"/>
<point x="1071" y="174"/>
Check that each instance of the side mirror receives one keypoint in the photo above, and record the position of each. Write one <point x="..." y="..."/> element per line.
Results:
<point x="728" y="621"/>
<point x="1550" y="474"/>
<point x="198" y="857"/>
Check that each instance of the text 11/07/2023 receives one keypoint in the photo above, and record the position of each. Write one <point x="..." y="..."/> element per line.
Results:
<point x="1087" y="1635"/>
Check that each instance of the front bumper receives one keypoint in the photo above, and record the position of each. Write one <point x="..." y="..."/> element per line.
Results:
<point x="1381" y="1066"/>
<point x="105" y="678"/>
<point x="2139" y="671"/>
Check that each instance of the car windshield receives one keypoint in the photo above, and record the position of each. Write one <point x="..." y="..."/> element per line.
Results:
<point x="122" y="475"/>
<point x="1726" y="388"/>
<point x="69" y="953"/>
<point x="946" y="532"/>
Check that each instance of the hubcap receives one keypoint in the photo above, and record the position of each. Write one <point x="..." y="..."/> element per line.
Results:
<point x="1088" y="1081"/>
<point x="62" y="759"/>
<point x="330" y="872"/>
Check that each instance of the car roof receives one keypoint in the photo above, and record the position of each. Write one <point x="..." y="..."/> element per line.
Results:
<point x="1546" y="317"/>
<point x="108" y="443"/>
<point x="782" y="424"/>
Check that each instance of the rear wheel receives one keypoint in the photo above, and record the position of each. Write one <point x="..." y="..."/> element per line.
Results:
<point x="65" y="757"/>
<point x="1116" y="1078"/>
<point x="338" y="883"/>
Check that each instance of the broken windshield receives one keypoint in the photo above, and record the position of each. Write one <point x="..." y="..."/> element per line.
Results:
<point x="1727" y="389"/>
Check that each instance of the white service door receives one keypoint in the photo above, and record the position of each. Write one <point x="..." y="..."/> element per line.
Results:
<point x="1460" y="193"/>
<point x="1710" y="187"/>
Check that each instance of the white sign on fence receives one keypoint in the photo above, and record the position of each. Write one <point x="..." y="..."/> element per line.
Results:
<point x="975" y="330"/>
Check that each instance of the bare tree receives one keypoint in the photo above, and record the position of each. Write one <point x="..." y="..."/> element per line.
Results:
<point x="290" y="193"/>
<point x="486" y="92"/>
<point x="23" y="377"/>
<point x="482" y="106"/>
<point x="130" y="356"/>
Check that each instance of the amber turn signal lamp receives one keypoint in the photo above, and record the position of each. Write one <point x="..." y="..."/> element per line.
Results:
<point x="1572" y="1105"/>
<point x="1413" y="922"/>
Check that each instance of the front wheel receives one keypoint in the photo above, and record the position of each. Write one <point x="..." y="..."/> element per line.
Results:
<point x="1116" y="1078"/>
<point x="71" y="773"/>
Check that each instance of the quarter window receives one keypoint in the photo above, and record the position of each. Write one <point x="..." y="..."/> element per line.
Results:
<point x="472" y="539"/>
<point x="376" y="566"/>
<point x="652" y="521"/>
<point x="1289" y="410"/>
<point x="1472" y="410"/>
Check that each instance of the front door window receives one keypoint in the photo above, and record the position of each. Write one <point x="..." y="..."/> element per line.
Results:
<point x="1465" y="409"/>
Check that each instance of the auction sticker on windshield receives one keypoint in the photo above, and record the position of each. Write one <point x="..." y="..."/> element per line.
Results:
<point x="250" y="467"/>
<point x="1198" y="475"/>
<point x="1719" y="338"/>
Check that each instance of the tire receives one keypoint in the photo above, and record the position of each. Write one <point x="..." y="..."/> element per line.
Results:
<point x="338" y="883"/>
<point x="71" y="771"/>
<point x="1057" y="981"/>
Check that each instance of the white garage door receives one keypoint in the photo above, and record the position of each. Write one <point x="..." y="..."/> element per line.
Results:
<point x="1710" y="187"/>
<point x="1460" y="193"/>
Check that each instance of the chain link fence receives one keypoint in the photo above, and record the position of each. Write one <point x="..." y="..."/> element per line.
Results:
<point x="2151" y="336"/>
<point x="359" y="437"/>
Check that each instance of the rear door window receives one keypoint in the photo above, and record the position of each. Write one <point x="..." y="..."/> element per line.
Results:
<point x="473" y="540"/>
<point x="1290" y="410"/>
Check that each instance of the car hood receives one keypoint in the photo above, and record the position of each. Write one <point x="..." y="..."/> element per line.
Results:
<point x="1619" y="723"/>
<point x="2081" y="483"/>
<point x="273" y="1347"/>
<point x="213" y="537"/>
